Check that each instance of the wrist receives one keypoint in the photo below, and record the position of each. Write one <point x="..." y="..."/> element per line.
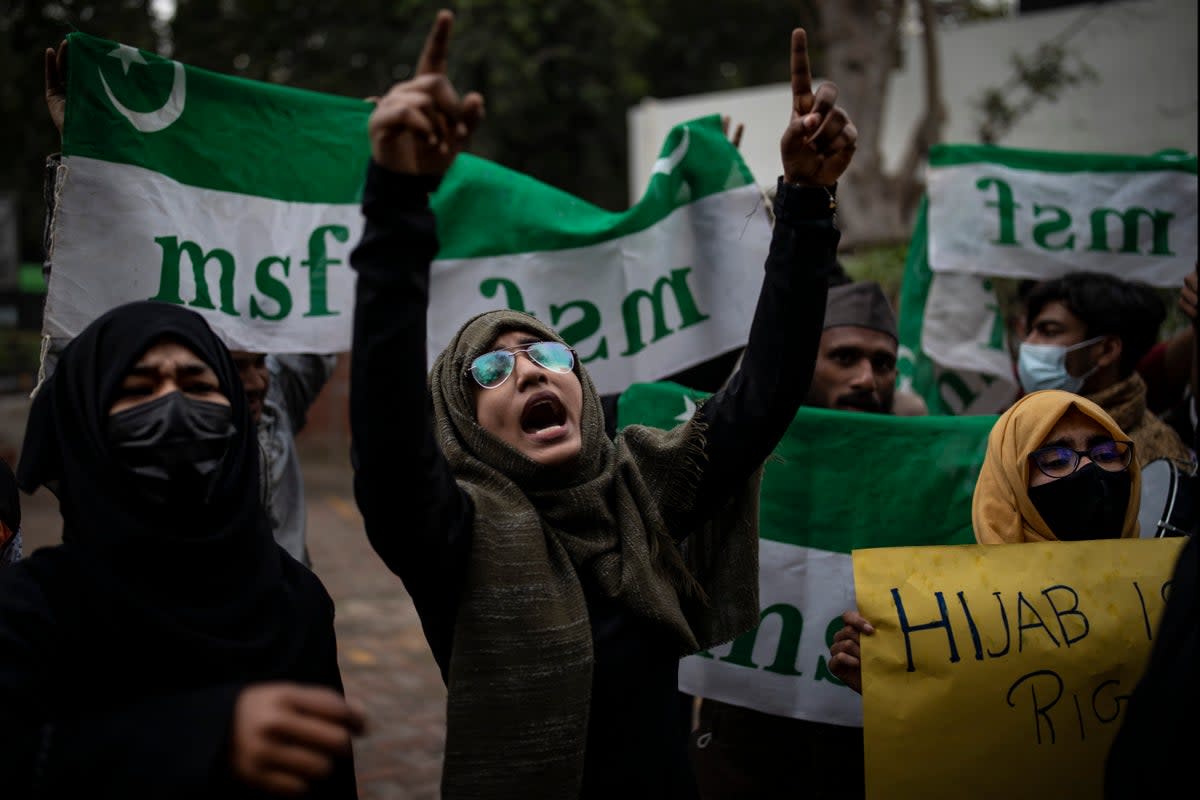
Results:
<point x="805" y="200"/>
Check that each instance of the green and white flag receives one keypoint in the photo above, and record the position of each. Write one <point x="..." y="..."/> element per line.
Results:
<point x="994" y="212"/>
<point x="640" y="294"/>
<point x="241" y="200"/>
<point x="838" y="481"/>
<point x="236" y="198"/>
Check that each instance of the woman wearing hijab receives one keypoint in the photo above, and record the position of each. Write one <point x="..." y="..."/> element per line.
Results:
<point x="1057" y="468"/>
<point x="168" y="647"/>
<point x="10" y="516"/>
<point x="560" y="575"/>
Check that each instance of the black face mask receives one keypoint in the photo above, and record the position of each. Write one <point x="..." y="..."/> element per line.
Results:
<point x="1090" y="503"/>
<point x="174" y="444"/>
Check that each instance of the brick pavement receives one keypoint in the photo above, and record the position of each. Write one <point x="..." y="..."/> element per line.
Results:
<point x="385" y="662"/>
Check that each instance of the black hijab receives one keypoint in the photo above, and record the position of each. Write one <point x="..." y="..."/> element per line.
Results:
<point x="207" y="577"/>
<point x="10" y="499"/>
<point x="10" y="515"/>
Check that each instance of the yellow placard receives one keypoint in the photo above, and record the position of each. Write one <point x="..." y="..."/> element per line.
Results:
<point x="1003" y="670"/>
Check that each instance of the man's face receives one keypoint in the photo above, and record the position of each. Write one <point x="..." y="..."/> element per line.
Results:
<point x="252" y="367"/>
<point x="1055" y="324"/>
<point x="856" y="370"/>
<point x="536" y="411"/>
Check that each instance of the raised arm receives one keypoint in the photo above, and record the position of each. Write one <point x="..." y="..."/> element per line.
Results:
<point x="748" y="417"/>
<point x="416" y="517"/>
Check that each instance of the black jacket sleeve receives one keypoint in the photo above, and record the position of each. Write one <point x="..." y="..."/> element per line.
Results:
<point x="416" y="517"/>
<point x="748" y="417"/>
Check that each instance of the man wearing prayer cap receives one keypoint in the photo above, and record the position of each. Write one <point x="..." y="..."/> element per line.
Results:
<point x="856" y="362"/>
<point x="740" y="752"/>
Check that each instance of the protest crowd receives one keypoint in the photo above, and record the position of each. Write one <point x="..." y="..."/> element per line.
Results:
<point x="621" y="600"/>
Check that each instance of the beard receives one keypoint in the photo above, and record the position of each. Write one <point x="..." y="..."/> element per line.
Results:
<point x="869" y="402"/>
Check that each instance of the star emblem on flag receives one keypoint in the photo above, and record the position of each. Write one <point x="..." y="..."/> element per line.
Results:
<point x="127" y="55"/>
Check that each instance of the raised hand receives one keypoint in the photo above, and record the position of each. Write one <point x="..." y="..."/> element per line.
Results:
<point x="286" y="735"/>
<point x="56" y="84"/>
<point x="820" y="138"/>
<point x="421" y="125"/>
<point x="736" y="138"/>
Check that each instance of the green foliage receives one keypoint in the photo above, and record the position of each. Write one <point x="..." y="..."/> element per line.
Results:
<point x="558" y="76"/>
<point x="20" y="352"/>
<point x="27" y="135"/>
<point x="1040" y="77"/>
<point x="884" y="265"/>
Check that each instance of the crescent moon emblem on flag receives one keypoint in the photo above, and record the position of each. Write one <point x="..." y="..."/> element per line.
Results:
<point x="689" y="409"/>
<point x="160" y="118"/>
<point x="668" y="163"/>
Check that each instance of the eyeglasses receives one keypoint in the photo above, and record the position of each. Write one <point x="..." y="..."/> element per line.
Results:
<point x="492" y="369"/>
<point x="1059" y="462"/>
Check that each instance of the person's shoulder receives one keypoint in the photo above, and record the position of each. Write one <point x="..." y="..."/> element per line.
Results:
<point x="1154" y="439"/>
<point x="304" y="580"/>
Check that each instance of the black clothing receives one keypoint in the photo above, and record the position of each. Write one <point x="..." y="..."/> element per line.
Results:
<point x="738" y="752"/>
<point x="1159" y="732"/>
<point x="707" y="376"/>
<point x="123" y="650"/>
<point x="10" y="516"/>
<point x="420" y="522"/>
<point x="10" y="498"/>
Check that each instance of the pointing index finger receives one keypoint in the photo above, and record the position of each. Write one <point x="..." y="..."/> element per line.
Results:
<point x="436" y="52"/>
<point x="802" y="93"/>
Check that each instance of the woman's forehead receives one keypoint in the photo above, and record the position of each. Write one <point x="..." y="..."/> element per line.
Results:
<point x="513" y="338"/>
<point x="1075" y="428"/>
<point x="171" y="347"/>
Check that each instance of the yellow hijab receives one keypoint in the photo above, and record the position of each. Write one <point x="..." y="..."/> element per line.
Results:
<point x="1001" y="510"/>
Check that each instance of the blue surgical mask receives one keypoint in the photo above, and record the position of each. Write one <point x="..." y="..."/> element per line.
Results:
<point x="1044" y="366"/>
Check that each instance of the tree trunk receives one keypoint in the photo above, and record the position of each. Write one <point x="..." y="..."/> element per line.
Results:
<point x="862" y="47"/>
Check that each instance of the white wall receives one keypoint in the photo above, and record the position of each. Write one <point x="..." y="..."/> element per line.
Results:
<point x="1143" y="100"/>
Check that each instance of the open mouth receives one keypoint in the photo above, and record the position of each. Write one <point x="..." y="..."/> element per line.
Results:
<point x="543" y="411"/>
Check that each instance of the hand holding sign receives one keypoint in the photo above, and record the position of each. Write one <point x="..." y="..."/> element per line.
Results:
<point x="420" y="125"/>
<point x="820" y="138"/>
<point x="846" y="657"/>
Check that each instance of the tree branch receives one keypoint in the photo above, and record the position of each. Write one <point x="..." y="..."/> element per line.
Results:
<point x="929" y="131"/>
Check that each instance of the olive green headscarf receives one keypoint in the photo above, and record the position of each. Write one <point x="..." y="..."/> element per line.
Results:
<point x="520" y="672"/>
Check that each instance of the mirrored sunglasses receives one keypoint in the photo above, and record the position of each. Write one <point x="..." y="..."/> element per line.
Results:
<point x="1059" y="462"/>
<point x="492" y="369"/>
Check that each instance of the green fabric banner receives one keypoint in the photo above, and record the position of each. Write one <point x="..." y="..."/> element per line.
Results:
<point x="843" y="480"/>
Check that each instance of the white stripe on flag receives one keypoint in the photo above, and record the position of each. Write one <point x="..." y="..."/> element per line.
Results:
<point x="820" y="585"/>
<point x="109" y="216"/>
<point x="721" y="248"/>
